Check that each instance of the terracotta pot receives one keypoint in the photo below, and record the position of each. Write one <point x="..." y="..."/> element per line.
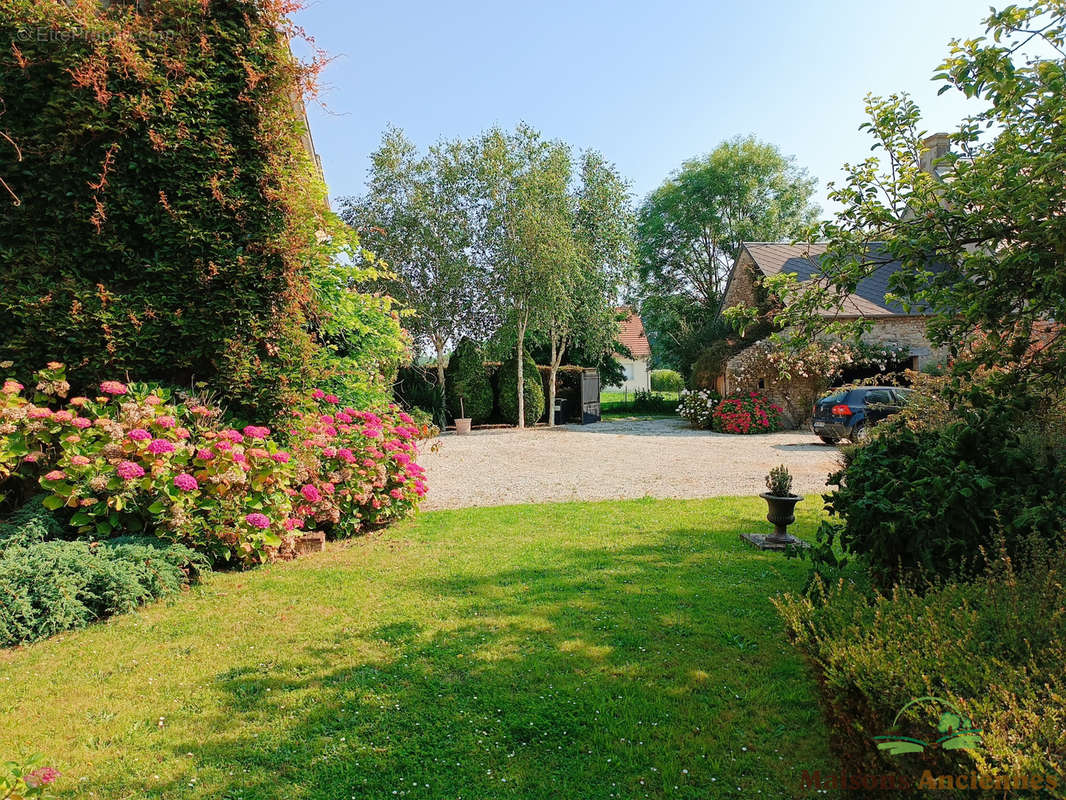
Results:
<point x="462" y="426"/>
<point x="782" y="514"/>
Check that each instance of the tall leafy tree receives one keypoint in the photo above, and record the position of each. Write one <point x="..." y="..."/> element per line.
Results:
<point x="417" y="217"/>
<point x="582" y="296"/>
<point x="689" y="232"/>
<point x="981" y="231"/>
<point x="525" y="233"/>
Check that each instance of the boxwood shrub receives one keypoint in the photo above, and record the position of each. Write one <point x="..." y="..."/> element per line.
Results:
<point x="533" y="390"/>
<point x="992" y="648"/>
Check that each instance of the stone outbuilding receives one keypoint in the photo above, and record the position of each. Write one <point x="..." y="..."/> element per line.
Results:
<point x="901" y="331"/>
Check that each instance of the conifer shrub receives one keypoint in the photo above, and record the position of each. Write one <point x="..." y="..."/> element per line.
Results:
<point x="533" y="390"/>
<point x="466" y="380"/>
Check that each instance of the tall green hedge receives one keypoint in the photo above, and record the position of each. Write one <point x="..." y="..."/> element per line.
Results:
<point x="533" y="390"/>
<point x="466" y="378"/>
<point x="161" y="217"/>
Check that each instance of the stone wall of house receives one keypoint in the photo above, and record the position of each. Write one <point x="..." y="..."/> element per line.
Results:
<point x="909" y="331"/>
<point x="741" y="289"/>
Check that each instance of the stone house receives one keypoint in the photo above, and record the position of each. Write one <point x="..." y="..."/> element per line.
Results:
<point x="638" y="368"/>
<point x="892" y="325"/>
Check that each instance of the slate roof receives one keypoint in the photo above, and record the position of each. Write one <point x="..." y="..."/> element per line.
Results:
<point x="631" y="333"/>
<point x="868" y="300"/>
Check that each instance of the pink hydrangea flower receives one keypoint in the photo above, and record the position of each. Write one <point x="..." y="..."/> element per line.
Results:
<point x="139" y="435"/>
<point x="282" y="457"/>
<point x="63" y="416"/>
<point x="332" y="399"/>
<point x="397" y="494"/>
<point x="113" y="388"/>
<point x="256" y="432"/>
<point x="41" y="776"/>
<point x="129" y="471"/>
<point x="186" y="482"/>
<point x="232" y="435"/>
<point x="55" y="475"/>
<point x="182" y="433"/>
<point x="206" y="455"/>
<point x="80" y="461"/>
<point x="153" y="400"/>
<point x="12" y="387"/>
<point x="318" y="394"/>
<point x="258" y="520"/>
<point x="258" y="452"/>
<point x="310" y="494"/>
<point x="38" y="413"/>
<point x="328" y="488"/>
<point x="160" y="446"/>
<point x="293" y="522"/>
<point x="30" y="458"/>
<point x="165" y="422"/>
<point x="82" y="422"/>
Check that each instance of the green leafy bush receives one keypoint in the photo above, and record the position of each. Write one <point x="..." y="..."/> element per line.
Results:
<point x="466" y="380"/>
<point x="138" y="458"/>
<point x="746" y="413"/>
<point x="533" y="390"/>
<point x="52" y="586"/>
<point x="929" y="500"/>
<point x="992" y="648"/>
<point x="697" y="406"/>
<point x="666" y="380"/>
<point x="32" y="523"/>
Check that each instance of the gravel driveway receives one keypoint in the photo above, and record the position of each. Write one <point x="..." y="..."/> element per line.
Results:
<point x="623" y="459"/>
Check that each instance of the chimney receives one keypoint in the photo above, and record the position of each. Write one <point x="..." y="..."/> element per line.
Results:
<point x="934" y="148"/>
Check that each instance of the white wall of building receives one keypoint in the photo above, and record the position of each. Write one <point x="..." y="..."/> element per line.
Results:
<point x="638" y="374"/>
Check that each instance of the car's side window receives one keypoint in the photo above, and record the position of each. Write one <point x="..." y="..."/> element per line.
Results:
<point x="878" y="397"/>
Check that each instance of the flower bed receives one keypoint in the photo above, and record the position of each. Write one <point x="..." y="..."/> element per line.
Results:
<point x="136" y="458"/>
<point x="747" y="413"/>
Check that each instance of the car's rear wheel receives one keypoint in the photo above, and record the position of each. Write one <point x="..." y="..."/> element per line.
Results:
<point x="828" y="439"/>
<point x="860" y="433"/>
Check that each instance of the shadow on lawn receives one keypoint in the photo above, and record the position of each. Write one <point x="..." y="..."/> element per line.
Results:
<point x="609" y="673"/>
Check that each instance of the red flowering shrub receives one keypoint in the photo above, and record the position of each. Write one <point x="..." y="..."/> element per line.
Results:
<point x="746" y="413"/>
<point x="136" y="458"/>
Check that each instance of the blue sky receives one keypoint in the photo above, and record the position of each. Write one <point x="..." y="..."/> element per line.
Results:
<point x="647" y="84"/>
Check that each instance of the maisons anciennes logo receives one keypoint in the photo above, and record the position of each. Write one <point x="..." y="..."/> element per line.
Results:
<point x="944" y="727"/>
<point x="956" y="731"/>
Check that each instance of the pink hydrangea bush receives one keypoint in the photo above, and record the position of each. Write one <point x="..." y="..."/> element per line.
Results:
<point x="137" y="458"/>
<point x="747" y="413"/>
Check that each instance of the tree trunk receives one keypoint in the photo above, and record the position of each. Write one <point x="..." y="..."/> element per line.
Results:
<point x="438" y="343"/>
<point x="521" y="364"/>
<point x="558" y="349"/>
<point x="551" y="384"/>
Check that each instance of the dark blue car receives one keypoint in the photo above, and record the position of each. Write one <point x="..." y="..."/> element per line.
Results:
<point x="850" y="413"/>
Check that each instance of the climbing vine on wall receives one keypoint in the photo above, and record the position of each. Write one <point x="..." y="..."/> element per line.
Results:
<point x="162" y="218"/>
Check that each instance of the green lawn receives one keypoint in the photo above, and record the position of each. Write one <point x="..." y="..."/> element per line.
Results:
<point x="619" y="405"/>
<point x="605" y="650"/>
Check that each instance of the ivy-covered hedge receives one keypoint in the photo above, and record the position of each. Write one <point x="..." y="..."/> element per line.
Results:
<point x="162" y="219"/>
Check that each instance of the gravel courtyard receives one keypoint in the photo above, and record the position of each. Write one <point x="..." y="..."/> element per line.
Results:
<point x="619" y="459"/>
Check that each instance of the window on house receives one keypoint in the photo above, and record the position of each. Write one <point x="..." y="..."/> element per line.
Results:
<point x="762" y="383"/>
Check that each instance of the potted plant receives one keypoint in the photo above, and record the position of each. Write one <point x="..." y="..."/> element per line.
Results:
<point x="782" y="503"/>
<point x="462" y="424"/>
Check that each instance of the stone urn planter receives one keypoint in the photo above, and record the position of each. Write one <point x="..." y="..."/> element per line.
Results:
<point x="782" y="513"/>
